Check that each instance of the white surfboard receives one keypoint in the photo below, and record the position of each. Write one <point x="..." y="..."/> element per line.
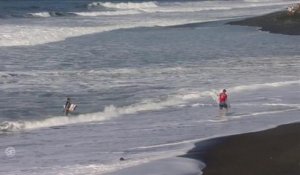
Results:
<point x="72" y="107"/>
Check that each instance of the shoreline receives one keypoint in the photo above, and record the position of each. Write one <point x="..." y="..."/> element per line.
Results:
<point x="277" y="22"/>
<point x="274" y="151"/>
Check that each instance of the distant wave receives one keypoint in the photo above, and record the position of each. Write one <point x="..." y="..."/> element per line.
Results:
<point x="265" y="85"/>
<point x="24" y="34"/>
<point x="259" y="0"/>
<point x="111" y="111"/>
<point x="115" y="9"/>
<point x="124" y="5"/>
<point x="49" y="14"/>
<point x="40" y="14"/>
<point x="152" y="7"/>
<point x="35" y="34"/>
<point x="95" y="9"/>
<point x="127" y="8"/>
<point x="87" y="14"/>
<point x="108" y="13"/>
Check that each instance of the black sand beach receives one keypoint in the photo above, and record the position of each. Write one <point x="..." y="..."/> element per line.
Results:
<point x="278" y="22"/>
<point x="271" y="152"/>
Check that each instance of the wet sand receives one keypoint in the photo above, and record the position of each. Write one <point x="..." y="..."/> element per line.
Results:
<point x="271" y="152"/>
<point x="278" y="22"/>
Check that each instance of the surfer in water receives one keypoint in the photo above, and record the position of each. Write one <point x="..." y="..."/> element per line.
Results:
<point x="223" y="101"/>
<point x="67" y="106"/>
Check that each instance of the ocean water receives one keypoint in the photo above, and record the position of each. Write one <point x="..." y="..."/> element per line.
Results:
<point x="144" y="75"/>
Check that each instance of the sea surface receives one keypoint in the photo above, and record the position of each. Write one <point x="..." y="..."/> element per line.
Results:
<point x="145" y="77"/>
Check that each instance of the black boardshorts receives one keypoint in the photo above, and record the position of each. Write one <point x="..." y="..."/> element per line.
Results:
<point x="223" y="105"/>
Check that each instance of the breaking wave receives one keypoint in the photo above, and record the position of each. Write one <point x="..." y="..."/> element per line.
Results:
<point x="40" y="14"/>
<point x="124" y="5"/>
<point x="111" y="111"/>
<point x="86" y="14"/>
<point x="265" y="85"/>
<point x="108" y="13"/>
<point x="49" y="14"/>
<point x="29" y="33"/>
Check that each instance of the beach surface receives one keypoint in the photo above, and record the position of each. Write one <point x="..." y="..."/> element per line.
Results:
<point x="277" y="22"/>
<point x="274" y="151"/>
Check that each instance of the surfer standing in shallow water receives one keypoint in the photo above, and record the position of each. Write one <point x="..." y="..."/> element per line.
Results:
<point x="67" y="106"/>
<point x="223" y="101"/>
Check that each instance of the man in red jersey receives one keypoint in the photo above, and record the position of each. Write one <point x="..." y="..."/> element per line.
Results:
<point x="223" y="100"/>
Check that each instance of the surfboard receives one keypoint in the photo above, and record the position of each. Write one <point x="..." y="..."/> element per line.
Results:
<point x="72" y="107"/>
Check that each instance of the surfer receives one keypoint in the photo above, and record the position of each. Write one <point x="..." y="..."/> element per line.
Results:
<point x="223" y="100"/>
<point x="67" y="106"/>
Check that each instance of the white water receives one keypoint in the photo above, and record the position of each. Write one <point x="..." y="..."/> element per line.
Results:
<point x="41" y="14"/>
<point x="142" y="140"/>
<point x="111" y="112"/>
<point x="128" y="5"/>
<point x="127" y="15"/>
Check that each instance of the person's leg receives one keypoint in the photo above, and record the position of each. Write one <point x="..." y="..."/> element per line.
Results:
<point x="226" y="107"/>
<point x="66" y="112"/>
<point x="221" y="111"/>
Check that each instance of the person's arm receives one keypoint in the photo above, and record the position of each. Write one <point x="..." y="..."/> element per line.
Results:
<point x="67" y="105"/>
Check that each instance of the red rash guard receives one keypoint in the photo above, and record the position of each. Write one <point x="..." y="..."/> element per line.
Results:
<point x="222" y="97"/>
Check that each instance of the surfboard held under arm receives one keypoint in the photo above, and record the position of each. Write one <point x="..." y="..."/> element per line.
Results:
<point x="71" y="108"/>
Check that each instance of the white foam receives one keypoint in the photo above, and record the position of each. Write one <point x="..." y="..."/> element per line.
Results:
<point x="23" y="34"/>
<point x="41" y="14"/>
<point x="146" y="105"/>
<point x="123" y="5"/>
<point x="214" y="93"/>
<point x="90" y="169"/>
<point x="182" y="9"/>
<point x="184" y="142"/>
<point x="170" y="166"/>
<point x="112" y="167"/>
<point x="261" y="1"/>
<point x="282" y="104"/>
<point x="108" y="113"/>
<point x="210" y="6"/>
<point x="108" y="13"/>
<point x="263" y="113"/>
<point x="264" y="85"/>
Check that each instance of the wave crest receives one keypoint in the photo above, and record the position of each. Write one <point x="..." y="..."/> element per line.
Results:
<point x="123" y="5"/>
<point x="49" y="14"/>
<point x="111" y="111"/>
<point x="107" y="13"/>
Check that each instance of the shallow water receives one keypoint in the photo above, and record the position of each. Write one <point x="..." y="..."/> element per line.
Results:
<point x="143" y="93"/>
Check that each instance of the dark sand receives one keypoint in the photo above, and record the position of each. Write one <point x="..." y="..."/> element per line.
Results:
<point x="271" y="152"/>
<point x="278" y="22"/>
